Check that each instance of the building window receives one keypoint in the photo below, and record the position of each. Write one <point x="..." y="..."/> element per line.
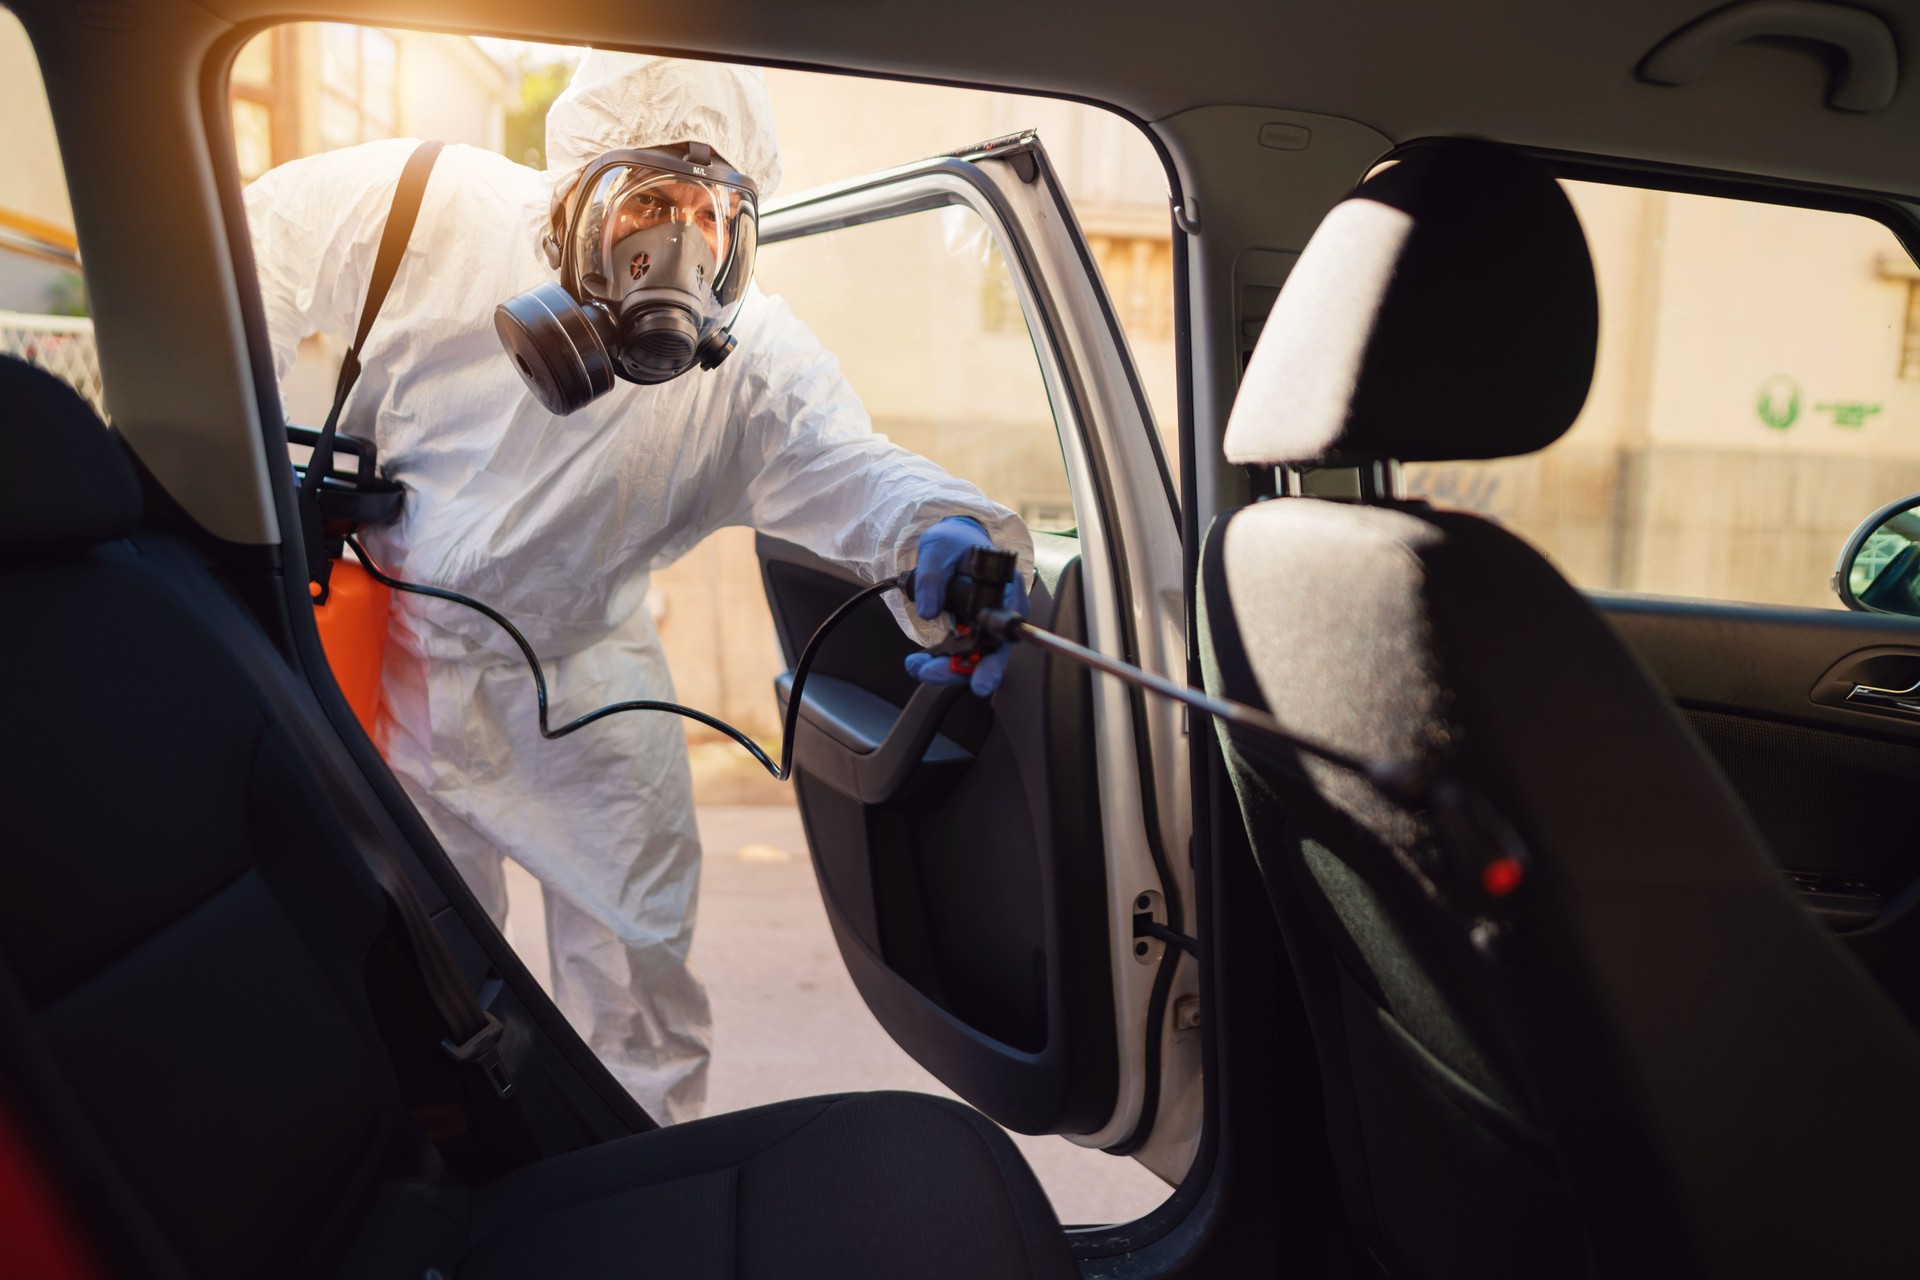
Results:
<point x="262" y="97"/>
<point x="1899" y="267"/>
<point x="358" y="86"/>
<point x="252" y="137"/>
<point x="1138" y="270"/>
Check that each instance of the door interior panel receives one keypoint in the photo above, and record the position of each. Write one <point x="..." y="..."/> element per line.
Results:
<point x="1831" y="804"/>
<point x="957" y="846"/>
<point x="1764" y="661"/>
<point x="1827" y="780"/>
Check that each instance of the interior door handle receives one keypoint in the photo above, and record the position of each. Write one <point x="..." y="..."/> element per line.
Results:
<point x="865" y="747"/>
<point x="1881" y="681"/>
<point x="1905" y="701"/>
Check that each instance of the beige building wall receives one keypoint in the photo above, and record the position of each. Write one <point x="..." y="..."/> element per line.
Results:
<point x="450" y="90"/>
<point x="36" y="223"/>
<point x="933" y="339"/>
<point x="1793" y="310"/>
<point x="334" y="84"/>
<point x="32" y="185"/>
<point x="42" y="303"/>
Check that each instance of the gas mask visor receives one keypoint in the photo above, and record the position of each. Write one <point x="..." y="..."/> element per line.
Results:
<point x="655" y="251"/>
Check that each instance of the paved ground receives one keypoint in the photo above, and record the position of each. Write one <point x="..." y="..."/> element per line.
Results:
<point x="787" y="1021"/>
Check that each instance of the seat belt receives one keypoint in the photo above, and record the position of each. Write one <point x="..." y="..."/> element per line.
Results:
<point x="401" y="215"/>
<point x="469" y="1033"/>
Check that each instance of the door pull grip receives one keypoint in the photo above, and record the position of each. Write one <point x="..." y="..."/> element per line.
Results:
<point x="1906" y="701"/>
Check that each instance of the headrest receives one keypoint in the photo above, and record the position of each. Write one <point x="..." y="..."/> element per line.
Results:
<point x="1446" y="309"/>
<point x="64" y="482"/>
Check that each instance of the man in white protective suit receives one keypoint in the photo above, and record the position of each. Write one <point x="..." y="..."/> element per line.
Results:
<point x="557" y="518"/>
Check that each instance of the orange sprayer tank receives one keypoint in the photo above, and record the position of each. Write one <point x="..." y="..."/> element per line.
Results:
<point x="353" y="631"/>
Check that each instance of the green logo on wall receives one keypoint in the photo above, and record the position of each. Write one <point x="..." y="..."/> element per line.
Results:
<point x="1778" y="403"/>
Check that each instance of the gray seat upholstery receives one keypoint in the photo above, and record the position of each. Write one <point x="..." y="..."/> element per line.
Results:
<point x="1646" y="1058"/>
<point x="203" y="1009"/>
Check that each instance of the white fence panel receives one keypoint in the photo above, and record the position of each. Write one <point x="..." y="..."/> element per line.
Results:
<point x="62" y="345"/>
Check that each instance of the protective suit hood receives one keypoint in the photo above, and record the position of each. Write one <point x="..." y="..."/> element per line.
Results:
<point x="630" y="100"/>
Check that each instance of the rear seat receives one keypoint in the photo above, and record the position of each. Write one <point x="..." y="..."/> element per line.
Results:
<point x="187" y="932"/>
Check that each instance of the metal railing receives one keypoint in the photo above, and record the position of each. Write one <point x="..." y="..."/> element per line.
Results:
<point x="62" y="345"/>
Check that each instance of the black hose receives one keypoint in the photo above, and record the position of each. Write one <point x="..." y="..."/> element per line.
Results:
<point x="1406" y="784"/>
<point x="781" y="772"/>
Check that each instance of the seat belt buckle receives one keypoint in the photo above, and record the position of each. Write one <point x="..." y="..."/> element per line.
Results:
<point x="482" y="1050"/>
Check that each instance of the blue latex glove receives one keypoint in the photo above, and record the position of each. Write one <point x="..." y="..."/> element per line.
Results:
<point x="941" y="550"/>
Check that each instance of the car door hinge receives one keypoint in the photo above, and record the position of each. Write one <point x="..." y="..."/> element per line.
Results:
<point x="1150" y="927"/>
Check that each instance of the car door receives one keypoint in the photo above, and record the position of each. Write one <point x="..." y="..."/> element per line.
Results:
<point x="983" y="862"/>
<point x="1826" y="775"/>
<point x="1819" y="344"/>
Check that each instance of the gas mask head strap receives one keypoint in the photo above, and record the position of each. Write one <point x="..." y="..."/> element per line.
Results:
<point x="550" y="243"/>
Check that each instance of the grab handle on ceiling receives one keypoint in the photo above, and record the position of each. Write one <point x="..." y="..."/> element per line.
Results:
<point x="1865" y="83"/>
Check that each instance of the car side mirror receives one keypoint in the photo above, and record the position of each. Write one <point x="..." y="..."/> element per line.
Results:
<point x="1879" y="570"/>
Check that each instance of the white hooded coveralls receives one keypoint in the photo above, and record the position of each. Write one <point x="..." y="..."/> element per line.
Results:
<point x="558" y="521"/>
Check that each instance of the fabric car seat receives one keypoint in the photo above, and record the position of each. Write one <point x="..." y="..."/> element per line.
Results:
<point x="188" y="938"/>
<point x="1626" y="1049"/>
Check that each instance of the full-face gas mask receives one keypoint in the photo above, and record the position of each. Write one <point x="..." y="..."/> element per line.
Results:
<point x="655" y="250"/>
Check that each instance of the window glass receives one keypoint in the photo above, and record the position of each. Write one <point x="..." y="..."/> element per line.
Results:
<point x="1757" y="396"/>
<point x="938" y="348"/>
<point x="357" y="85"/>
<point x="43" y="296"/>
<point x="1109" y="171"/>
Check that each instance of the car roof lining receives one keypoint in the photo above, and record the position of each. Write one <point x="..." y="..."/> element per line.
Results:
<point x="1551" y="76"/>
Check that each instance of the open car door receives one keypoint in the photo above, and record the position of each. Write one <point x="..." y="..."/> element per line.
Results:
<point x="987" y="866"/>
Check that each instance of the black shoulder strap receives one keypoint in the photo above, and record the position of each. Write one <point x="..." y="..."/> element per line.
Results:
<point x="407" y="195"/>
